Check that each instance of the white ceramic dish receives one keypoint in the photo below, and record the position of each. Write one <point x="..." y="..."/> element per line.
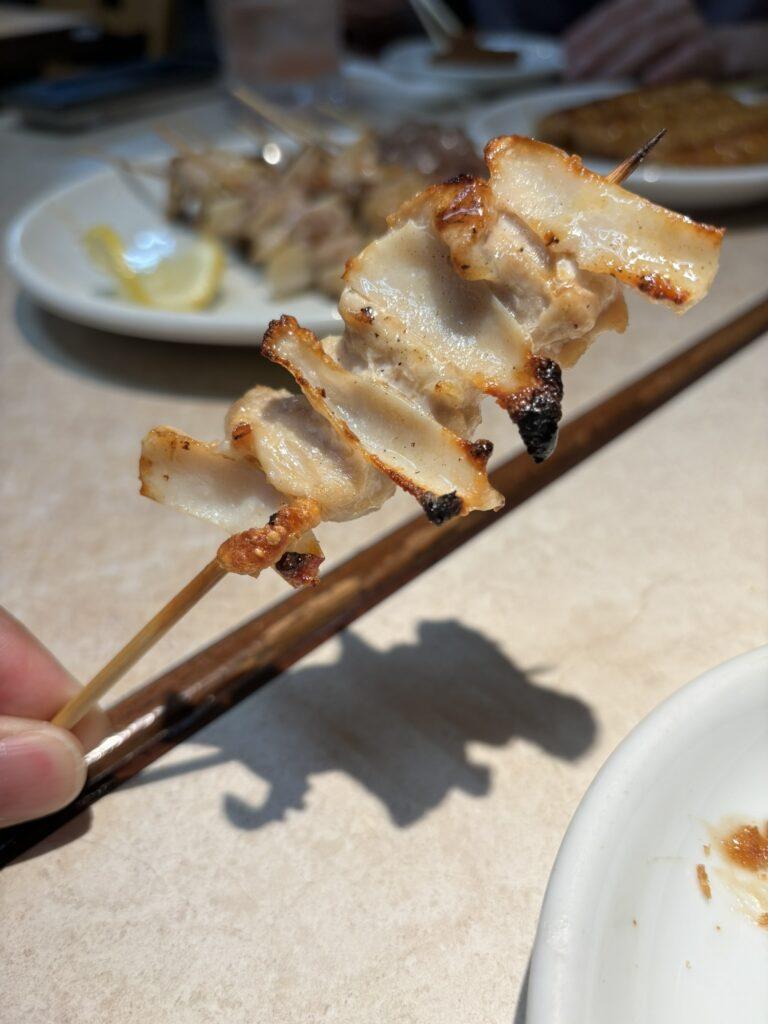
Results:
<point x="625" y="935"/>
<point x="538" y="57"/>
<point x="45" y="252"/>
<point x="677" y="187"/>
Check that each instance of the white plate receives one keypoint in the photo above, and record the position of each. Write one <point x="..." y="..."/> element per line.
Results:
<point x="538" y="57"/>
<point x="631" y="853"/>
<point x="368" y="84"/>
<point x="46" y="254"/>
<point x="678" y="187"/>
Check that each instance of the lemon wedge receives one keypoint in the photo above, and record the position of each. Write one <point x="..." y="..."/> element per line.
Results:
<point x="185" y="280"/>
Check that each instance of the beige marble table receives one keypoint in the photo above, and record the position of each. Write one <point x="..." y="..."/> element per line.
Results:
<point x="368" y="839"/>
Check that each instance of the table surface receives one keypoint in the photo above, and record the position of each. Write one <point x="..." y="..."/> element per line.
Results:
<point x="368" y="838"/>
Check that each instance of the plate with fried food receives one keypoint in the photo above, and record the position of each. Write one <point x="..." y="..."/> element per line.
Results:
<point x="714" y="153"/>
<point x="212" y="243"/>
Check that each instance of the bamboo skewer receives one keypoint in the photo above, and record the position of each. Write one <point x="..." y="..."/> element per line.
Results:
<point x="146" y="638"/>
<point x="626" y="167"/>
<point x="208" y="577"/>
<point x="347" y="118"/>
<point x="298" y="128"/>
<point x="132" y="175"/>
<point x="173" y="138"/>
<point x="124" y="165"/>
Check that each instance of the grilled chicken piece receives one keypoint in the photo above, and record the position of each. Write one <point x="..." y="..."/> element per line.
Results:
<point x="603" y="227"/>
<point x="459" y="301"/>
<point x="302" y="456"/>
<point x="318" y="234"/>
<point x="304" y="220"/>
<point x="214" y="190"/>
<point x="445" y="473"/>
<point x="205" y="480"/>
<point x="250" y="552"/>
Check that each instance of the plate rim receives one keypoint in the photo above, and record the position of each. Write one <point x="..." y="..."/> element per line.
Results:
<point x="118" y="319"/>
<point x="568" y="893"/>
<point x="469" y="74"/>
<point x="655" y="175"/>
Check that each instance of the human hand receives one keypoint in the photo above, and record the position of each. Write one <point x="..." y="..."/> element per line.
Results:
<point x="41" y="766"/>
<point x="661" y="41"/>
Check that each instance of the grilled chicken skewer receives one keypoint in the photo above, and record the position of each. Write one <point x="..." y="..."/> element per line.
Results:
<point x="479" y="287"/>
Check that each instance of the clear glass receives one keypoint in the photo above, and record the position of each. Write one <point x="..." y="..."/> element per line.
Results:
<point x="286" y="49"/>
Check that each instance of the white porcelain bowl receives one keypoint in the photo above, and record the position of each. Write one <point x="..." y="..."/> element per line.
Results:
<point x="625" y="935"/>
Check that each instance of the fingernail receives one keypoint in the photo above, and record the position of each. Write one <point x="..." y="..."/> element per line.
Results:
<point x="40" y="771"/>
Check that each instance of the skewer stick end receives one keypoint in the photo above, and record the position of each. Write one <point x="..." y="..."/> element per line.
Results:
<point x="626" y="167"/>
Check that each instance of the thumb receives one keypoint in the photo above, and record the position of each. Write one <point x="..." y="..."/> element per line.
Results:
<point x="41" y="769"/>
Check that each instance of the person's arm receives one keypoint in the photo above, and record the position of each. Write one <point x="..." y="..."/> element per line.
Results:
<point x="661" y="41"/>
<point x="41" y="766"/>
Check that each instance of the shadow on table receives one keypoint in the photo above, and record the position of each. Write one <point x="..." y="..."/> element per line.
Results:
<point x="74" y="829"/>
<point x="209" y="371"/>
<point x="522" y="999"/>
<point x="398" y="722"/>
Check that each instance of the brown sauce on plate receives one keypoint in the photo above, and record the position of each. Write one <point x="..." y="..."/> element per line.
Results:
<point x="747" y="847"/>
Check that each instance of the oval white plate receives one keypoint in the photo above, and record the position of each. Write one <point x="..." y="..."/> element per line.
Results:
<point x="538" y="57"/>
<point x="678" y="187"/>
<point x="46" y="254"/>
<point x="630" y="853"/>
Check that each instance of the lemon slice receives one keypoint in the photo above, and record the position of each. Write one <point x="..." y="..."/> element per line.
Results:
<point x="186" y="280"/>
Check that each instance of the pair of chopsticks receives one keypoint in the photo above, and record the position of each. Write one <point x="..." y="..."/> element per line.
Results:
<point x="208" y="577"/>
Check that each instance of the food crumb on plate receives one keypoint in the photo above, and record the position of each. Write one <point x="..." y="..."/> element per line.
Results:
<point x="703" y="879"/>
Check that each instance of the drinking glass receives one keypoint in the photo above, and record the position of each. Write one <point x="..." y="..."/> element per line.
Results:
<point x="288" y="50"/>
